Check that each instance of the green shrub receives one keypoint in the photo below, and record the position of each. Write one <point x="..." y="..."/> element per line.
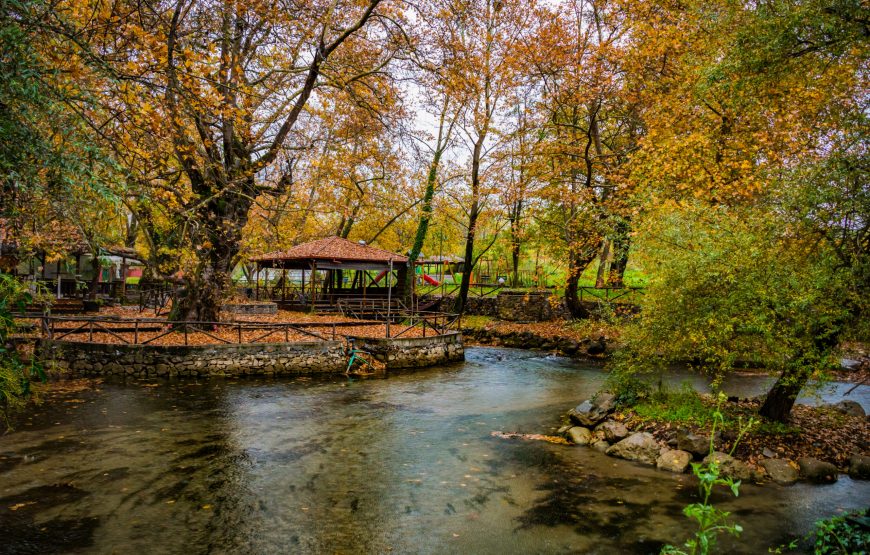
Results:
<point x="15" y="374"/>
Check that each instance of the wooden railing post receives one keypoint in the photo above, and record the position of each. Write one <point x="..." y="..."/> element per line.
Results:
<point x="239" y="326"/>
<point x="185" y="332"/>
<point x="136" y="332"/>
<point x="91" y="331"/>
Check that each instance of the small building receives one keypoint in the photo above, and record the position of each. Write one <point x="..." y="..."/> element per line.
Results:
<point x="331" y="272"/>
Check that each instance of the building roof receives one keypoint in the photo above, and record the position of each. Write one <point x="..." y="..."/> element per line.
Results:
<point x="327" y="252"/>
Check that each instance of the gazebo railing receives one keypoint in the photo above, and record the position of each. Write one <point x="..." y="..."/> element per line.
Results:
<point x="144" y="331"/>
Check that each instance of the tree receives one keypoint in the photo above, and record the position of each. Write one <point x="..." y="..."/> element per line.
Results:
<point x="482" y="36"/>
<point x="590" y="126"/>
<point x="761" y="105"/>
<point x="202" y="99"/>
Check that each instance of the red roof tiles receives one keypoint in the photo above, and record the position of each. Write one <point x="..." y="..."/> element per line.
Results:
<point x="332" y="248"/>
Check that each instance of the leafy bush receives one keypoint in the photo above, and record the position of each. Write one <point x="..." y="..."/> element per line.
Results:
<point x="15" y="374"/>
<point x="843" y="535"/>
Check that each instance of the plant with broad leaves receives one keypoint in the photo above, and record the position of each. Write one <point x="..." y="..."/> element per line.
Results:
<point x="711" y="520"/>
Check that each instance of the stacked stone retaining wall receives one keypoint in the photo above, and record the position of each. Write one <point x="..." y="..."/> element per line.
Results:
<point x="251" y="308"/>
<point x="415" y="352"/>
<point x="68" y="358"/>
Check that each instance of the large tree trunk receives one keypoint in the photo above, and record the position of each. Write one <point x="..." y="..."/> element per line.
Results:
<point x="602" y="264"/>
<point x="217" y="241"/>
<point x="621" y="246"/>
<point x="97" y="265"/>
<point x="577" y="262"/>
<point x="782" y="396"/>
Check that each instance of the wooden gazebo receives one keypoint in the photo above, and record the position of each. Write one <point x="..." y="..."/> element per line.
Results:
<point x="337" y="270"/>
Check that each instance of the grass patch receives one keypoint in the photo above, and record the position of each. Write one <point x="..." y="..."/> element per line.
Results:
<point x="679" y="407"/>
<point x="686" y="407"/>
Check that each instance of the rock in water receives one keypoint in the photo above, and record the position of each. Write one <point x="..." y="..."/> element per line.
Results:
<point x="693" y="443"/>
<point x="597" y="347"/>
<point x="817" y="471"/>
<point x="859" y="467"/>
<point x="601" y="445"/>
<point x="613" y="430"/>
<point x="673" y="460"/>
<point x="580" y="436"/>
<point x="730" y="467"/>
<point x="640" y="447"/>
<point x="781" y="471"/>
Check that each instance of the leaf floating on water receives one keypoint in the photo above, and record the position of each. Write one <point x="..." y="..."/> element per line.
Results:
<point x="206" y="507"/>
<point x="17" y="506"/>
<point x="535" y="437"/>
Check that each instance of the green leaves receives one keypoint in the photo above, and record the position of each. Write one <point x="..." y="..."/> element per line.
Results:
<point x="711" y="521"/>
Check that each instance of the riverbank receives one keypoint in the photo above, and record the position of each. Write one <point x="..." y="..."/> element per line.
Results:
<point x="574" y="338"/>
<point x="670" y="429"/>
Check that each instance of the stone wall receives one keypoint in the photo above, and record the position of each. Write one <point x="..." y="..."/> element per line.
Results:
<point x="415" y="352"/>
<point x="479" y="306"/>
<point x="68" y="358"/>
<point x="251" y="308"/>
<point x="530" y="306"/>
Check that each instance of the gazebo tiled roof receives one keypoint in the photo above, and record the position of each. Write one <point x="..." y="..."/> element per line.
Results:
<point x="329" y="251"/>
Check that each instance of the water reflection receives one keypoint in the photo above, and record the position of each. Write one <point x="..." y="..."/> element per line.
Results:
<point x="405" y="464"/>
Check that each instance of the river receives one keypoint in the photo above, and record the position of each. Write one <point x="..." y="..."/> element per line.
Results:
<point x="405" y="464"/>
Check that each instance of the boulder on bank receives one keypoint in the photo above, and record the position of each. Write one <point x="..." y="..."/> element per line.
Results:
<point x="695" y="444"/>
<point x="729" y="467"/>
<point x="580" y="436"/>
<point x="848" y="407"/>
<point x="613" y="431"/>
<point x="781" y="471"/>
<point x="640" y="447"/>
<point x="859" y="467"/>
<point x="590" y="413"/>
<point x="817" y="471"/>
<point x="673" y="460"/>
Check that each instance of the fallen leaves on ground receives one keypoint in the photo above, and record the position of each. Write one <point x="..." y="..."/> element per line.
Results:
<point x="817" y="432"/>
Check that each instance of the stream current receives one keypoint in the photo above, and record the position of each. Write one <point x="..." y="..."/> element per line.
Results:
<point x="405" y="464"/>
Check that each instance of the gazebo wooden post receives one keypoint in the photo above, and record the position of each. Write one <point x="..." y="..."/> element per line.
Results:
<point x="284" y="283"/>
<point x="257" y="280"/>
<point x="313" y="282"/>
<point x="123" y="294"/>
<point x="389" y="296"/>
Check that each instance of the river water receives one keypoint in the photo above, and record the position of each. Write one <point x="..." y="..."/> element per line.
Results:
<point x="405" y="464"/>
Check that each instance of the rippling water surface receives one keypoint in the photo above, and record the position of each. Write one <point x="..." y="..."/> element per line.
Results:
<point x="405" y="464"/>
